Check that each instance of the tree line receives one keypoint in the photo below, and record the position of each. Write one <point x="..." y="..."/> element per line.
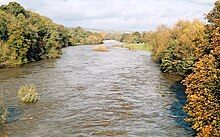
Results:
<point x="192" y="49"/>
<point x="80" y="36"/>
<point x="26" y="36"/>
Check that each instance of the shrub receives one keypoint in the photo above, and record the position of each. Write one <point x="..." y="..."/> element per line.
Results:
<point x="203" y="94"/>
<point x="101" y="48"/>
<point x="54" y="53"/>
<point x="28" y="94"/>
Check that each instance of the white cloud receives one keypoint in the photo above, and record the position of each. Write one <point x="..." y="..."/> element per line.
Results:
<point x="119" y="14"/>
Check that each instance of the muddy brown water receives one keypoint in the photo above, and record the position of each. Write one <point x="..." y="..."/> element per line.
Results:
<point x="86" y="93"/>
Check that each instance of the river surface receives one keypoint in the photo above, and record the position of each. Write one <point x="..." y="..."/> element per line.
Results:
<point x="86" y="93"/>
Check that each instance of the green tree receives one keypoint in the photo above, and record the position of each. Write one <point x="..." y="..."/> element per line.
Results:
<point x="3" y="29"/>
<point x="13" y="8"/>
<point x="27" y="36"/>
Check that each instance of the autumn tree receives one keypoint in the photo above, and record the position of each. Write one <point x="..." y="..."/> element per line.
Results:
<point x="180" y="54"/>
<point x="203" y="85"/>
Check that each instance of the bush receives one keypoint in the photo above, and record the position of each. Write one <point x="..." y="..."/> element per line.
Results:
<point x="54" y="53"/>
<point x="28" y="94"/>
<point x="101" y="48"/>
<point x="203" y="96"/>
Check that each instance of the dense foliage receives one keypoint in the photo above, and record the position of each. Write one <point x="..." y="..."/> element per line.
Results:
<point x="189" y="48"/>
<point x="135" y="37"/>
<point x="129" y="38"/>
<point x="203" y="85"/>
<point x="79" y="36"/>
<point x="26" y="36"/>
<point x="192" y="49"/>
<point x="175" y="48"/>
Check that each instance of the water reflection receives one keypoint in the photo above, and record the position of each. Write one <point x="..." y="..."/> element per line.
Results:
<point x="177" y="106"/>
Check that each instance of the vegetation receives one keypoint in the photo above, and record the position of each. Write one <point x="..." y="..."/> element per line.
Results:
<point x="135" y="38"/>
<point x="203" y="85"/>
<point x="79" y="36"/>
<point x="130" y="38"/>
<point x="140" y="46"/>
<point x="26" y="36"/>
<point x="192" y="50"/>
<point x="176" y="48"/>
<point x="113" y="36"/>
<point x="28" y="94"/>
<point x="101" y="48"/>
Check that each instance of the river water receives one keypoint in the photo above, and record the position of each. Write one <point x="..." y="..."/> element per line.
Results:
<point x="86" y="93"/>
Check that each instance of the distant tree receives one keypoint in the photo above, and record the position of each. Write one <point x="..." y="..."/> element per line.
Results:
<point x="138" y="37"/>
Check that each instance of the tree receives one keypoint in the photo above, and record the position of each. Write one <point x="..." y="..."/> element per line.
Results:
<point x="3" y="29"/>
<point x="26" y="36"/>
<point x="180" y="55"/>
<point x="203" y="85"/>
<point x="13" y="8"/>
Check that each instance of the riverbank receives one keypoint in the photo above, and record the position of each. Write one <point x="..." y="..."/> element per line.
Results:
<point x="140" y="46"/>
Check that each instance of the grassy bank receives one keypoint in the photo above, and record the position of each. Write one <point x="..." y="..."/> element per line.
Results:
<point x="140" y="46"/>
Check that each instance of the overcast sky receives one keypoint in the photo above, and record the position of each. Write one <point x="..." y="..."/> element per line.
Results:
<point x="121" y="15"/>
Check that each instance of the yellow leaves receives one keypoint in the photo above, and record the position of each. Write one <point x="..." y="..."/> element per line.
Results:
<point x="28" y="94"/>
<point x="206" y="131"/>
<point x="203" y="88"/>
<point x="203" y="106"/>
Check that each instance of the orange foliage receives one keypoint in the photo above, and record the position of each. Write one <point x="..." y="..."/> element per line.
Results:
<point x="203" y="85"/>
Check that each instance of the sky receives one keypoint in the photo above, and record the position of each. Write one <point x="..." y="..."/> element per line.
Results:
<point x="118" y="15"/>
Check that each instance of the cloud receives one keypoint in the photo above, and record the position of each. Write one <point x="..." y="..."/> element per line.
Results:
<point x="120" y="15"/>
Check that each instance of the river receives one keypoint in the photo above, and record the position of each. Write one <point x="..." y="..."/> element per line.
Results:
<point x="86" y="93"/>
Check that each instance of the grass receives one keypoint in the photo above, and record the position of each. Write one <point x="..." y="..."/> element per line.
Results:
<point x="140" y="46"/>
<point x="28" y="94"/>
<point x="101" y="48"/>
